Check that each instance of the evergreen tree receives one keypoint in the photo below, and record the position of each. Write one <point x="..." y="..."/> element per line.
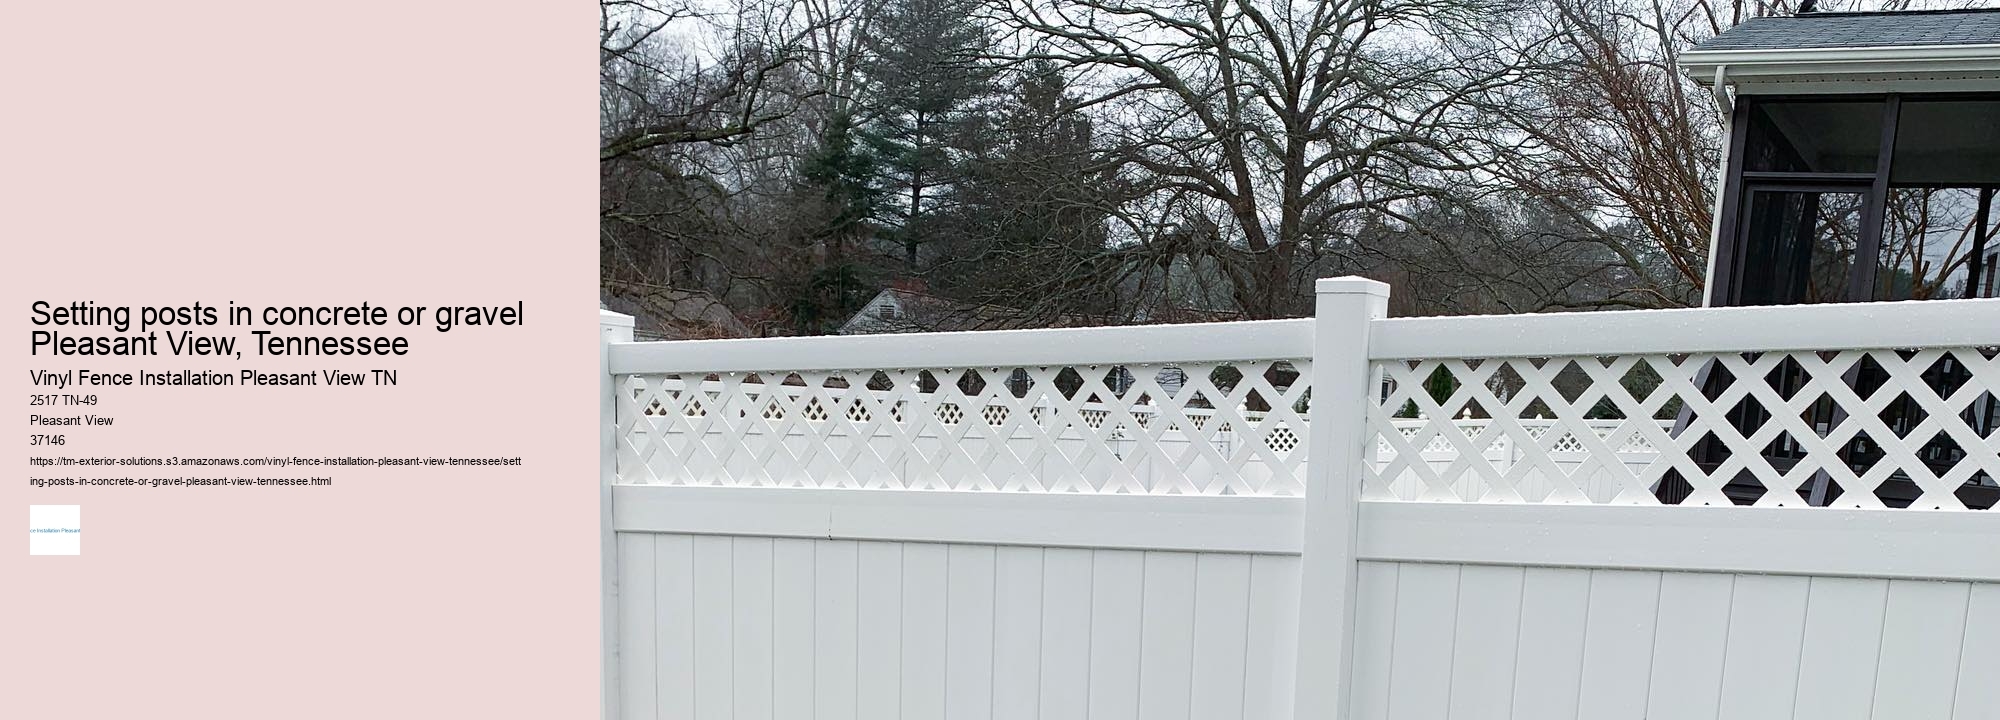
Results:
<point x="925" y="87"/>
<point x="838" y="181"/>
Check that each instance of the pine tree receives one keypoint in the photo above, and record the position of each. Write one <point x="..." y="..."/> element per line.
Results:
<point x="839" y="176"/>
<point x="925" y="88"/>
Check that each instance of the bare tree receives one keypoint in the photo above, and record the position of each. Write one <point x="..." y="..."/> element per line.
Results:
<point x="702" y="108"/>
<point x="1621" y="141"/>
<point x="1289" y="119"/>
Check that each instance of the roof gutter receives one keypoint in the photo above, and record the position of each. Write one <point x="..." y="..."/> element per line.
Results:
<point x="1775" y="63"/>
<point x="1720" y="87"/>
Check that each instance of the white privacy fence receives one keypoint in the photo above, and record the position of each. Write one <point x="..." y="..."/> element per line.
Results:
<point x="1728" y="513"/>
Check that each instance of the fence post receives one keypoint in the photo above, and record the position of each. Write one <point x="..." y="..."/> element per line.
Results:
<point x="611" y="328"/>
<point x="1342" y="385"/>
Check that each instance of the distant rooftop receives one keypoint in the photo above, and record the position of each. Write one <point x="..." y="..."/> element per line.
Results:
<point x="1861" y="29"/>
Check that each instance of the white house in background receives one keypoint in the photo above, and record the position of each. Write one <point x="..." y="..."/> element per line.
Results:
<point x="899" y="309"/>
<point x="906" y="308"/>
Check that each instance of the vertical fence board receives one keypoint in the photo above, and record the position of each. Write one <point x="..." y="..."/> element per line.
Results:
<point x="924" y="630"/>
<point x="1555" y="604"/>
<point x="1426" y="621"/>
<point x="878" y="660"/>
<point x="792" y="595"/>
<point x="1166" y="656"/>
<point x="638" y="655"/>
<point x="1017" y="632"/>
<point x="1978" y="695"/>
<point x="1116" y="591"/>
<point x="1618" y="644"/>
<point x="1272" y="648"/>
<point x="836" y="628"/>
<point x="1843" y="641"/>
<point x="1374" y="636"/>
<point x="1922" y="628"/>
<point x="673" y="625"/>
<point x="1222" y="608"/>
<point x="714" y="651"/>
<point x="1065" y="680"/>
<point x="1690" y="638"/>
<point x="753" y="633"/>
<point x="1760" y="669"/>
<point x="968" y="665"/>
<point x="1489" y="628"/>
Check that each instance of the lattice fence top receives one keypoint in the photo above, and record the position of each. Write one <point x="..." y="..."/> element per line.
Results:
<point x="1848" y="428"/>
<point x="1214" y="428"/>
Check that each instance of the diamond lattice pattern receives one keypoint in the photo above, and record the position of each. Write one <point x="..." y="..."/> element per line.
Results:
<point x="1853" y="428"/>
<point x="1194" y="428"/>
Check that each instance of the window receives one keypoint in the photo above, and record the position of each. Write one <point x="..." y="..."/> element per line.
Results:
<point x="1992" y="261"/>
<point x="1847" y="199"/>
<point x="1928" y="244"/>
<point x="1814" y="136"/>
<point x="1948" y="143"/>
<point x="1939" y="220"/>
<point x="1806" y="243"/>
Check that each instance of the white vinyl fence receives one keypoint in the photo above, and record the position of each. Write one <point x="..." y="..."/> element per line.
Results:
<point x="1719" y="513"/>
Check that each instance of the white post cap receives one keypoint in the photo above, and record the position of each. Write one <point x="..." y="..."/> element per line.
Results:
<point x="1351" y="285"/>
<point x="614" y="319"/>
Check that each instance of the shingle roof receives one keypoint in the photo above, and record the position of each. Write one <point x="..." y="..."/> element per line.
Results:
<point x="924" y="312"/>
<point x="1861" y="29"/>
<point x="664" y="313"/>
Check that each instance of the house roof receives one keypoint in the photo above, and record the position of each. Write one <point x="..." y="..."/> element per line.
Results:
<point x="1861" y="30"/>
<point x="1865" y="52"/>
<point x="664" y="313"/>
<point x="924" y="312"/>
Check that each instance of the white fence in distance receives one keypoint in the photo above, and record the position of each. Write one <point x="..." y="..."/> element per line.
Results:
<point x="1726" y="513"/>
